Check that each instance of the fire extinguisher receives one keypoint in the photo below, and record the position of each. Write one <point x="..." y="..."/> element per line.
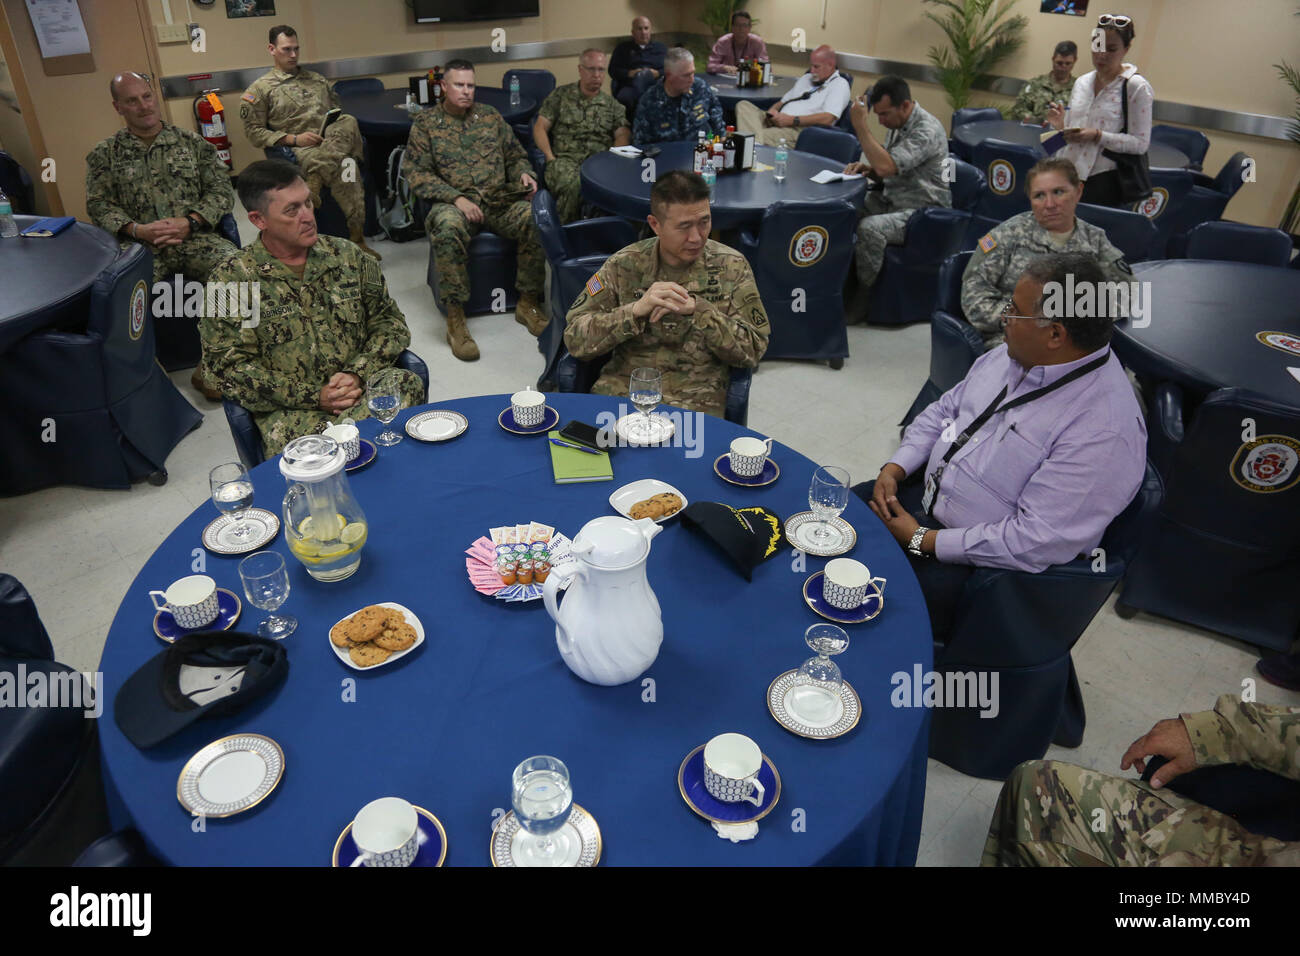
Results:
<point x="211" y="117"/>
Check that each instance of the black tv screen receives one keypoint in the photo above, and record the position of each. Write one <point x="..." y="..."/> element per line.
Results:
<point x="452" y="11"/>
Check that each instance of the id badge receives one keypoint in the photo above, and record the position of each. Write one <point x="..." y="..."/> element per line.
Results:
<point x="931" y="490"/>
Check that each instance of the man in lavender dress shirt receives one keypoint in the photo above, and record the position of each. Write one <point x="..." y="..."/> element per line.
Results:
<point x="1037" y="482"/>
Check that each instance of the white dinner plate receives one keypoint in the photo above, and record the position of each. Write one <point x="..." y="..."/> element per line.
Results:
<point x="624" y="498"/>
<point x="230" y="775"/>
<point x="342" y="652"/>
<point x="440" y="424"/>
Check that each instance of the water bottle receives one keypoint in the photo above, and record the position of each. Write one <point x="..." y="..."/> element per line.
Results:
<point x="782" y="157"/>
<point x="8" y="228"/>
<point x="710" y="174"/>
<point x="514" y="91"/>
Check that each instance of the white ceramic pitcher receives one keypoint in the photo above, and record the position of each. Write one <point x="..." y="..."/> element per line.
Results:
<point x="609" y="627"/>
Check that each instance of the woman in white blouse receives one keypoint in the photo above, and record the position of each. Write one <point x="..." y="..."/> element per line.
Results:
<point x="1096" y="113"/>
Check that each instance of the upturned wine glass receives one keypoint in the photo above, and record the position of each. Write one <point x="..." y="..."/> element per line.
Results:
<point x="816" y="690"/>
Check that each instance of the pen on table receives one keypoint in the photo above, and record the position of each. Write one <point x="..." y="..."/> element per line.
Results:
<point x="565" y="444"/>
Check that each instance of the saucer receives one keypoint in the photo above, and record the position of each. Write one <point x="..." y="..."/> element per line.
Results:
<point x="230" y="775"/>
<point x="441" y="424"/>
<point x="342" y="654"/>
<point x="263" y="526"/>
<point x="799" y="528"/>
<point x="550" y="418"/>
<point x="628" y="428"/>
<point x="624" y="498"/>
<point x="782" y="705"/>
<point x="433" y="843"/>
<point x="228" y="608"/>
<point x="690" y="782"/>
<point x="364" y="457"/>
<point x="580" y="832"/>
<point x="770" y="473"/>
<point x="868" y="609"/>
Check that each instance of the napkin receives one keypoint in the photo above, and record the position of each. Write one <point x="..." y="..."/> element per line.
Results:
<point x="830" y="176"/>
<point x="632" y="152"/>
<point x="749" y="536"/>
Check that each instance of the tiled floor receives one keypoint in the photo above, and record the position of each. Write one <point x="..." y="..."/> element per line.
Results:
<point x="78" y="550"/>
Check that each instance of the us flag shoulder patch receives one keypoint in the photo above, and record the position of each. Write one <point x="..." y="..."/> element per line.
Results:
<point x="249" y="98"/>
<point x="593" y="285"/>
<point x="988" y="243"/>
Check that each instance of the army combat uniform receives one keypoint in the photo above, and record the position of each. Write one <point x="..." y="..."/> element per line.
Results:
<point x="919" y="149"/>
<point x="694" y="352"/>
<point x="1054" y="814"/>
<point x="1038" y="94"/>
<point x="580" y="126"/>
<point x="279" y="104"/>
<point x="1000" y="259"/>
<point x="479" y="157"/>
<point x="338" y="317"/>
<point x="663" y="118"/>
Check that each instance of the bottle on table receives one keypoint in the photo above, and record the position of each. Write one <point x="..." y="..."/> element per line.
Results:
<point x="710" y="175"/>
<point x="729" y="151"/>
<point x="514" y="91"/>
<point x="435" y="94"/>
<point x="701" y="153"/>
<point x="782" y="158"/>
<point x="765" y="72"/>
<point x="8" y="228"/>
<point x="755" y="73"/>
<point x="742" y="73"/>
<point x="716" y="155"/>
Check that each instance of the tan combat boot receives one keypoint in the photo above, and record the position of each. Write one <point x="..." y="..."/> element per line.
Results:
<point x="458" y="337"/>
<point x="529" y="315"/>
<point x="357" y="235"/>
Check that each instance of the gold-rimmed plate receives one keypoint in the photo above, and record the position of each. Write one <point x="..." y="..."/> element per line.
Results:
<point x="784" y="710"/>
<point x="228" y="610"/>
<point x="439" y="424"/>
<point x="800" y="526"/>
<point x="722" y="468"/>
<point x="580" y="836"/>
<point x="871" y="606"/>
<point x="230" y="775"/>
<point x="690" y="784"/>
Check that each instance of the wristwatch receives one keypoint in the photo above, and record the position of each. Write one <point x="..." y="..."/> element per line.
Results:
<point x="195" y="223"/>
<point x="796" y="122"/>
<point x="914" y="546"/>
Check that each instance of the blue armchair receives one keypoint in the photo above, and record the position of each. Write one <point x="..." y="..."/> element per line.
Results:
<point x="1234" y="242"/>
<point x="176" y="337"/>
<point x="17" y="185"/>
<point x="1192" y="198"/>
<point x="535" y="85"/>
<point x="248" y="440"/>
<point x="1131" y="233"/>
<point x="365" y="84"/>
<point x="969" y="114"/>
<point x="578" y="375"/>
<point x="967" y="186"/>
<point x="1005" y="167"/>
<point x="492" y="266"/>
<point x="829" y="142"/>
<point x="954" y="343"/>
<point x="1191" y="141"/>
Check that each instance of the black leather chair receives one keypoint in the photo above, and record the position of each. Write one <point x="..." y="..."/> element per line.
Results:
<point x="969" y="114"/>
<point x="92" y="408"/>
<point x="1235" y="242"/>
<point x="1131" y="233"/>
<point x="17" y="185"/>
<point x="578" y="375"/>
<point x="575" y="252"/>
<point x="804" y="303"/>
<point x="829" y="142"/>
<point x="1021" y="627"/>
<point x="1224" y="551"/>
<point x="248" y="440"/>
<point x="1191" y="141"/>
<point x="954" y="342"/>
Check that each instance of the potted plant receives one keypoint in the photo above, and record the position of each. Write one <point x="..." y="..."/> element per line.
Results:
<point x="1291" y="216"/>
<point x="981" y="34"/>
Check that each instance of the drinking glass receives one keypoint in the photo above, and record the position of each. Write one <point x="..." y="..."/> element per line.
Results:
<point x="542" y="797"/>
<point x="266" y="585"/>
<point x="828" y="495"/>
<point x="384" y="398"/>
<point x="815" y="696"/>
<point x="232" y="493"/>
<point x="646" y="392"/>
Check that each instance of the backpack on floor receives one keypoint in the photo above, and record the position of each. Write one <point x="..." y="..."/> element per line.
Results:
<point x="398" y="217"/>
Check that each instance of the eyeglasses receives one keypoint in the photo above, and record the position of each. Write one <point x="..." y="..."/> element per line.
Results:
<point x="1008" y="316"/>
<point x="1111" y="20"/>
<point x="591" y="69"/>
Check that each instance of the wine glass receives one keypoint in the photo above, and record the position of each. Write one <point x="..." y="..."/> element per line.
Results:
<point x="384" y="398"/>
<point x="646" y="392"/>
<point x="542" y="797"/>
<point x="828" y="495"/>
<point x="266" y="585"/>
<point x="232" y="493"/>
<point x="815" y="695"/>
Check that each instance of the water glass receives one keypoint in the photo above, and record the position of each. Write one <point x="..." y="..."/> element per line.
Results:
<point x="542" y="798"/>
<point x="646" y="392"/>
<point x="232" y="493"/>
<point x="266" y="585"/>
<point x="828" y="495"/>
<point x="384" y="399"/>
<point x="815" y="696"/>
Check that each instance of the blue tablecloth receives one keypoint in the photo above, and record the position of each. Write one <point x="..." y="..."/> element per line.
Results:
<point x="1010" y="131"/>
<point x="615" y="183"/>
<point x="729" y="94"/>
<point x="445" y="726"/>
<point x="378" y="113"/>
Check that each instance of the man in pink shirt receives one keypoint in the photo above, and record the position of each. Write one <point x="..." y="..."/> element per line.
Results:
<point x="739" y="44"/>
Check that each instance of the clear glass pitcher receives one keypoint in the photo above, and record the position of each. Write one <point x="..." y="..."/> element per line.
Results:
<point x="324" y="526"/>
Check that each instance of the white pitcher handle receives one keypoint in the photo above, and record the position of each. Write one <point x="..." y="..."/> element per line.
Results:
<point x="157" y="606"/>
<point x="560" y="577"/>
<point x="756" y="798"/>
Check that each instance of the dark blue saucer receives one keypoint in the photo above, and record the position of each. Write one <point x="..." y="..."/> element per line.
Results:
<point x="771" y="471"/>
<point x="365" y="455"/>
<point x="812" y="593"/>
<point x="433" y="849"/>
<point x="690" y="781"/>
<point x="550" y="418"/>
<point x="228" y="608"/>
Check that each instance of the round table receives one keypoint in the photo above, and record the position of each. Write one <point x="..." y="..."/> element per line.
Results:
<point x="47" y="281"/>
<point x="729" y="94"/>
<point x="1204" y="323"/>
<point x="615" y="183"/>
<point x="972" y="134"/>
<point x="445" y="726"/>
<point x="378" y="114"/>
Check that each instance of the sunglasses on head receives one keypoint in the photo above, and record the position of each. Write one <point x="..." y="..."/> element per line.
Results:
<point x="1110" y="20"/>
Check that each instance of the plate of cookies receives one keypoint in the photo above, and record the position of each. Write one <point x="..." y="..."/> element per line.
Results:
<point x="377" y="634"/>
<point x="648" y="498"/>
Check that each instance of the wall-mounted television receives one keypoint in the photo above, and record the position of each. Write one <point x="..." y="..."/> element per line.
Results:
<point x="455" y="11"/>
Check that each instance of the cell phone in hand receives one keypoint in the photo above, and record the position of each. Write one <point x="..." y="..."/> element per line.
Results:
<point x="580" y="433"/>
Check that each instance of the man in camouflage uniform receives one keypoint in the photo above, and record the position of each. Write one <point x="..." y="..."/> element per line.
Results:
<point x="680" y="303"/>
<point x="575" y="121"/>
<point x="1050" y="226"/>
<point x="162" y="186"/>
<point x="679" y="107"/>
<point x="463" y="157"/>
<point x="1042" y="91"/>
<point x="1055" y="814"/>
<point x="325" y="323"/>
<point x="285" y="107"/>
<point x="911" y="164"/>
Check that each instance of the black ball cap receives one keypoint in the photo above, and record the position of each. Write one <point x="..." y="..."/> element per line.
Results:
<point x="748" y="536"/>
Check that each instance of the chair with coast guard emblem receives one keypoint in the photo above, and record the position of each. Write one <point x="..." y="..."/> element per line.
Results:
<point x="92" y="408"/>
<point x="1005" y="166"/>
<point x="970" y="114"/>
<point x="1224" y="550"/>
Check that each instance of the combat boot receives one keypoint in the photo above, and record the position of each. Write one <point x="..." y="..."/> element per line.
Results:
<point x="458" y="337"/>
<point x="529" y="315"/>
<point x="205" y="384"/>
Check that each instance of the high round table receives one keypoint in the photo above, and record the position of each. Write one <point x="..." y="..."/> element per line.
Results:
<point x="729" y="94"/>
<point x="615" y="183"/>
<point x="46" y="282"/>
<point x="1204" y="324"/>
<point x="445" y="726"/>
<point x="378" y="114"/>
<point x="972" y="134"/>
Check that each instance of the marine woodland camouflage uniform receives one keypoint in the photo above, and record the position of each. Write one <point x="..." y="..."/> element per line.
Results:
<point x="337" y="318"/>
<point x="662" y="118"/>
<point x="580" y="126"/>
<point x="1001" y="257"/>
<point x="1054" y="814"/>
<point x="918" y="148"/>
<point x="694" y="352"/>
<point x="279" y="104"/>
<point x="1037" y="95"/>
<point x="479" y="157"/>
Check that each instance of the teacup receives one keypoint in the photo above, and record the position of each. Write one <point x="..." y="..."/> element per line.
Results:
<point x="348" y="437"/>
<point x="749" y="455"/>
<point x="387" y="833"/>
<point x="731" y="765"/>
<point x="846" y="582"/>
<point x="528" y="408"/>
<point x="192" y="600"/>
